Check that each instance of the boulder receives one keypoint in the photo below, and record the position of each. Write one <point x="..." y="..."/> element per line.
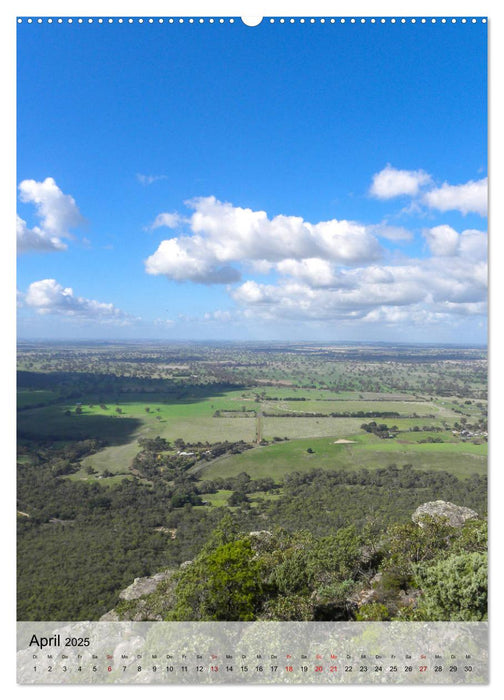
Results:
<point x="455" y="515"/>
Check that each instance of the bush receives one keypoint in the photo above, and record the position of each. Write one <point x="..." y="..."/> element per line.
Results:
<point x="455" y="588"/>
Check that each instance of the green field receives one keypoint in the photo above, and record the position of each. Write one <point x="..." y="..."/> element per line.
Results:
<point x="199" y="414"/>
<point x="172" y="420"/>
<point x="193" y="419"/>
<point x="309" y="427"/>
<point x="29" y="397"/>
<point x="279" y="459"/>
<point x="406" y="408"/>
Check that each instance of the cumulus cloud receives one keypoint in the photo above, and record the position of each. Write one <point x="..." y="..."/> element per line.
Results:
<point x="222" y="236"/>
<point x="392" y="315"/>
<point x="420" y="289"/>
<point x="36" y="239"/>
<point x="328" y="271"/>
<point x="49" y="297"/>
<point x="189" y="259"/>
<point x="470" y="197"/>
<point x="314" y="271"/>
<point x="391" y="182"/>
<point x="475" y="308"/>
<point x="442" y="240"/>
<point x="58" y="213"/>
<point x="445" y="241"/>
<point x="473" y="244"/>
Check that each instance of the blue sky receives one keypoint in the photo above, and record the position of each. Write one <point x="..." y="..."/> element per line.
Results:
<point x="207" y="181"/>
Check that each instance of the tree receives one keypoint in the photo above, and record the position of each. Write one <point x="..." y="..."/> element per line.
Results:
<point x="292" y="575"/>
<point x="237" y="498"/>
<point x="224" y="584"/>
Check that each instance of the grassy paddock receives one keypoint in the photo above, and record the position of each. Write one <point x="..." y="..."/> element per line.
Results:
<point x="406" y="408"/>
<point x="279" y="459"/>
<point x="309" y="427"/>
<point x="192" y="418"/>
<point x="51" y="423"/>
<point x="29" y="397"/>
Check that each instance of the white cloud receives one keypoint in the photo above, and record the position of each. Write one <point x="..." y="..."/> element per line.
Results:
<point x="473" y="244"/>
<point x="445" y="241"/>
<point x="252" y="292"/>
<point x="442" y="240"/>
<point x="188" y="259"/>
<point x="49" y="297"/>
<point x="58" y="213"/>
<point x="477" y="308"/>
<point x="219" y="316"/>
<point x="223" y="236"/>
<point x="329" y="271"/>
<point x="470" y="197"/>
<point x="392" y="233"/>
<point x="391" y="182"/>
<point x="417" y="290"/>
<point x="392" y="315"/>
<point x="314" y="271"/>
<point x="170" y="220"/>
<point x="35" y="239"/>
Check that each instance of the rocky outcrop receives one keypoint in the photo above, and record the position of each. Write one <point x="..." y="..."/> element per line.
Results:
<point x="144" y="586"/>
<point x="455" y="515"/>
<point x="367" y="595"/>
<point x="147" y="598"/>
<point x="260" y="541"/>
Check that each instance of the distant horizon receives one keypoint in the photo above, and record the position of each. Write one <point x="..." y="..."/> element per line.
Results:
<point x="228" y="341"/>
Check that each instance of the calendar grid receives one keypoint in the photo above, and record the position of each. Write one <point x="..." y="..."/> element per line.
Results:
<point x="257" y="652"/>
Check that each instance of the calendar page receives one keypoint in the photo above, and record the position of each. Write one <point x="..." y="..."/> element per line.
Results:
<point x="252" y="349"/>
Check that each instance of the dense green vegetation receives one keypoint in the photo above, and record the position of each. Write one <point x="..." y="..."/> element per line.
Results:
<point x="129" y="458"/>
<point x="400" y="573"/>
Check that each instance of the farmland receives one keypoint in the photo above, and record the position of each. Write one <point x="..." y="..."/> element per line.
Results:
<point x="138" y="438"/>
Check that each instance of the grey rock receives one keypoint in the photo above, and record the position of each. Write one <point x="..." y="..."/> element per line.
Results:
<point x="456" y="515"/>
<point x="144" y="586"/>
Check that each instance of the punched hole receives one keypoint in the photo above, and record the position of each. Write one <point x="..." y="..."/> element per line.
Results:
<point x="252" y="21"/>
